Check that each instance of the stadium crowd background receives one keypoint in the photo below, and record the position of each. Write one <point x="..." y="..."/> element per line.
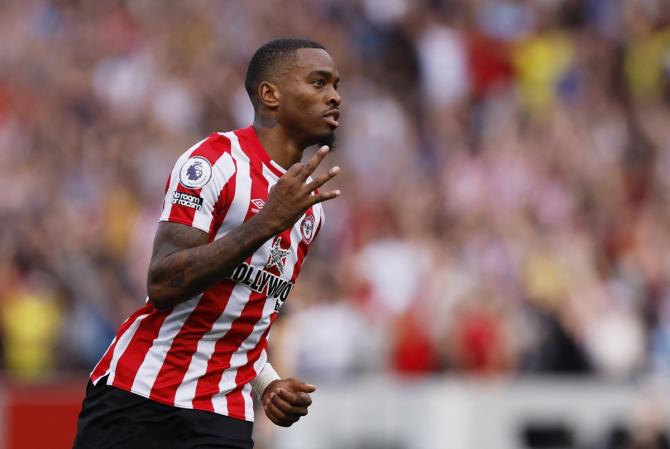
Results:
<point x="505" y="176"/>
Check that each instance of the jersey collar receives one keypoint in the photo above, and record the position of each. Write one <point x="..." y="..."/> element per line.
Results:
<point x="250" y="140"/>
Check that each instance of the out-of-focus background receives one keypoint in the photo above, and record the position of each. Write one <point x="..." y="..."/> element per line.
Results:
<point x="495" y="275"/>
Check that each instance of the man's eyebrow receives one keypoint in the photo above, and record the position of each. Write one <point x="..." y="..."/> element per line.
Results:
<point x="323" y="73"/>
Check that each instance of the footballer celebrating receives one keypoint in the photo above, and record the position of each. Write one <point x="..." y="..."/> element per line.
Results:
<point x="239" y="215"/>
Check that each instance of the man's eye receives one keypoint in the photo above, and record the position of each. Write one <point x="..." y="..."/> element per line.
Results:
<point x="318" y="83"/>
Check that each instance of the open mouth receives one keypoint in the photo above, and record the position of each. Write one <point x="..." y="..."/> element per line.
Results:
<point x="331" y="117"/>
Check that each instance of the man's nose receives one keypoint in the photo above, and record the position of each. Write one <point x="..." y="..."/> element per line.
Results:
<point x="334" y="98"/>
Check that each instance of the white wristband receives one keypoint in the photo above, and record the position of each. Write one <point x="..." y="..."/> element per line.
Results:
<point x="264" y="378"/>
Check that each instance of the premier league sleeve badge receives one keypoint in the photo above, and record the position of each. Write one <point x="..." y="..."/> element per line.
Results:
<point x="195" y="173"/>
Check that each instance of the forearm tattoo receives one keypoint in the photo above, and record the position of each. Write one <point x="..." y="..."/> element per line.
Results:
<point x="183" y="264"/>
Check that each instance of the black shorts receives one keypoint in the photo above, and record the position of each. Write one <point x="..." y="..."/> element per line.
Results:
<point x="112" y="418"/>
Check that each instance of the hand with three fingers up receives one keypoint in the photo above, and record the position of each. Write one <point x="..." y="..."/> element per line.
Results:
<point x="295" y="192"/>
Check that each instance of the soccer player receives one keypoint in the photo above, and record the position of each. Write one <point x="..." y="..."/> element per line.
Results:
<point x="239" y="215"/>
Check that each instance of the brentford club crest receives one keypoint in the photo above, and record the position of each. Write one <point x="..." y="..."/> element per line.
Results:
<point x="307" y="228"/>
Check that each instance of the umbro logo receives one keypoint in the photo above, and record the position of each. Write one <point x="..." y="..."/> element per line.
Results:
<point x="257" y="205"/>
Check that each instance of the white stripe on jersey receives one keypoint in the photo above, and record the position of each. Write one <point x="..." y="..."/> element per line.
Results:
<point x="153" y="361"/>
<point x="240" y="204"/>
<point x="121" y="346"/>
<point x="95" y="381"/>
<point x="222" y="171"/>
<point x="248" y="401"/>
<point x="259" y="364"/>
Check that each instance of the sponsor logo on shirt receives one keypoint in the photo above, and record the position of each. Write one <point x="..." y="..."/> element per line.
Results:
<point x="263" y="282"/>
<point x="184" y="199"/>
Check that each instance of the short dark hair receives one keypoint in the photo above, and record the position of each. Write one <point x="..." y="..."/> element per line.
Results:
<point x="266" y="59"/>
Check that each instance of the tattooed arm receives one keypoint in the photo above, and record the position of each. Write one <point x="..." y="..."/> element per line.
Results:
<point x="184" y="265"/>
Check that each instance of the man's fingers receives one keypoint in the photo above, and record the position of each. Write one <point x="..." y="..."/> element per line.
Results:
<point x="307" y="388"/>
<point x="285" y="395"/>
<point x="268" y="399"/>
<point x="272" y="416"/>
<point x="289" y="410"/>
<point x="281" y="418"/>
<point x="325" y="196"/>
<point x="324" y="178"/>
<point x="299" y="399"/>
<point x="275" y="411"/>
<point x="283" y="405"/>
<point x="294" y="404"/>
<point x="314" y="162"/>
<point x="295" y="169"/>
<point x="299" y="385"/>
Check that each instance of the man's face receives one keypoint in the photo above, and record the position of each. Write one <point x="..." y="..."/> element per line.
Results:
<point x="309" y="105"/>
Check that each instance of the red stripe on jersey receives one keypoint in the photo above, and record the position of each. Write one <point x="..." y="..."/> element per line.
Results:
<point x="242" y="326"/>
<point x="131" y="359"/>
<point x="185" y="343"/>
<point x="211" y="149"/>
<point x="302" y="252"/>
<point x="106" y="360"/>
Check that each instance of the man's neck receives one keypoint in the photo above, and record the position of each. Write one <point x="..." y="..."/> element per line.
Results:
<point x="279" y="146"/>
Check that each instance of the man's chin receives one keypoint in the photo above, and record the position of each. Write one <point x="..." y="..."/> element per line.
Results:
<point x="327" y="139"/>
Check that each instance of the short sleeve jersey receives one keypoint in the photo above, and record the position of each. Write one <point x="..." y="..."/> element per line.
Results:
<point x="202" y="353"/>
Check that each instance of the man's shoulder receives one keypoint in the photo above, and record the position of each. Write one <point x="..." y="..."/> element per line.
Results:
<point x="208" y="158"/>
<point x="226" y="147"/>
<point x="223" y="141"/>
<point x="211" y="148"/>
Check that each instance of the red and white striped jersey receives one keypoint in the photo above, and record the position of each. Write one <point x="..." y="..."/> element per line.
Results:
<point x="203" y="353"/>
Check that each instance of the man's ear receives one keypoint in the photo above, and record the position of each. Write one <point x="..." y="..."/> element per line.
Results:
<point x="268" y="94"/>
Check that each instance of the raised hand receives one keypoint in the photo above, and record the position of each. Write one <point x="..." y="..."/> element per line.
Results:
<point x="292" y="195"/>
<point x="285" y="401"/>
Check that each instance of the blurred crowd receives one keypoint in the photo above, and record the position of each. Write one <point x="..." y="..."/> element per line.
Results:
<point x="505" y="177"/>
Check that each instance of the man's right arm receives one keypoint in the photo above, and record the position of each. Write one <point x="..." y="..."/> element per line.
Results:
<point x="184" y="264"/>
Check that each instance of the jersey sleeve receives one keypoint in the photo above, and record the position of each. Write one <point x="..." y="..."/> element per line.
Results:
<point x="198" y="184"/>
